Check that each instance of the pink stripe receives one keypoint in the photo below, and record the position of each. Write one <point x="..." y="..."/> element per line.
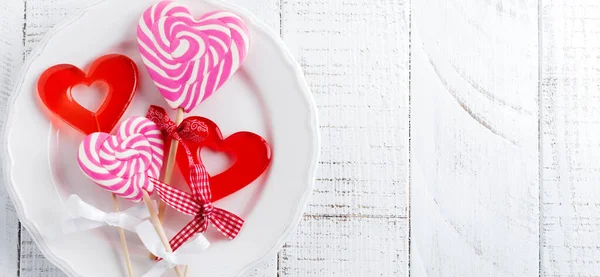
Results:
<point x="227" y="70"/>
<point x="216" y="38"/>
<point x="141" y="129"/>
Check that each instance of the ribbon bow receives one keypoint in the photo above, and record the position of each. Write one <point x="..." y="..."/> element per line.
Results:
<point x="187" y="254"/>
<point x="184" y="132"/>
<point x="85" y="217"/>
<point x="198" y="204"/>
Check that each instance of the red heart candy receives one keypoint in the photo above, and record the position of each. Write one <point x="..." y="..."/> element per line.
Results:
<point x="117" y="71"/>
<point x="252" y="155"/>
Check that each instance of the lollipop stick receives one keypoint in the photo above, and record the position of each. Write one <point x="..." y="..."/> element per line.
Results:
<point x="169" y="169"/>
<point x="159" y="228"/>
<point x="121" y="231"/>
<point x="123" y="240"/>
<point x="170" y="165"/>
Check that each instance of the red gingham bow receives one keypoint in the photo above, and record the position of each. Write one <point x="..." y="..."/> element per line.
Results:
<point x="198" y="204"/>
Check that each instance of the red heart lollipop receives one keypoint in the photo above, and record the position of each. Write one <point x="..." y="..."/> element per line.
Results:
<point x="117" y="71"/>
<point x="251" y="152"/>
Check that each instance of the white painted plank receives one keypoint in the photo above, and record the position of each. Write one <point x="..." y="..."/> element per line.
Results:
<point x="474" y="138"/>
<point x="11" y="57"/>
<point x="355" y="57"/>
<point x="346" y="246"/>
<point x="42" y="15"/>
<point x="266" y="269"/>
<point x="570" y="138"/>
<point x="33" y="263"/>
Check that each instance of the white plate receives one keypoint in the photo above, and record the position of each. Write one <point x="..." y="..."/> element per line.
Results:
<point x="268" y="96"/>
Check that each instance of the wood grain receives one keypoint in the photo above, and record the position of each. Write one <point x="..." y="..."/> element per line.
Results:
<point x="570" y="109"/>
<point x="474" y="138"/>
<point x="354" y="54"/>
<point x="350" y="246"/>
<point x="11" y="57"/>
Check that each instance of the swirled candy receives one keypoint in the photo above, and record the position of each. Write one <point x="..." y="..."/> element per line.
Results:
<point x="189" y="59"/>
<point x="123" y="163"/>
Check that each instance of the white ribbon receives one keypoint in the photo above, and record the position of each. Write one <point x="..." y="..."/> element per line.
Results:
<point x="85" y="217"/>
<point x="187" y="254"/>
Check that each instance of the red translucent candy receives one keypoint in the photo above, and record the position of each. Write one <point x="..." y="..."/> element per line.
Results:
<point x="118" y="72"/>
<point x="250" y="152"/>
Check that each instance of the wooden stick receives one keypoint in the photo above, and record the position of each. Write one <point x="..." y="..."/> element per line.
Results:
<point x="171" y="158"/>
<point x="123" y="240"/>
<point x="159" y="228"/>
<point x="121" y="231"/>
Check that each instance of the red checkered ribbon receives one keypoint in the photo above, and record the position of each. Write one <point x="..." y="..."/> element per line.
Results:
<point x="198" y="204"/>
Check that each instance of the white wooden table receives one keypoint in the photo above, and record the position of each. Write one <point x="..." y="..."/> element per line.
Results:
<point x="460" y="137"/>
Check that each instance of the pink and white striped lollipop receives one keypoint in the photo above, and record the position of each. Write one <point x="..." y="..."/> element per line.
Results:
<point x="123" y="163"/>
<point x="190" y="59"/>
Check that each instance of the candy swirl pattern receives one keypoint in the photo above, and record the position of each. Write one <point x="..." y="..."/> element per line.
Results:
<point x="190" y="59"/>
<point x="124" y="163"/>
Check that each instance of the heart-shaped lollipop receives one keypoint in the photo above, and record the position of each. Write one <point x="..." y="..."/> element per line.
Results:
<point x="123" y="163"/>
<point x="251" y="154"/>
<point x="117" y="71"/>
<point x="190" y="59"/>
